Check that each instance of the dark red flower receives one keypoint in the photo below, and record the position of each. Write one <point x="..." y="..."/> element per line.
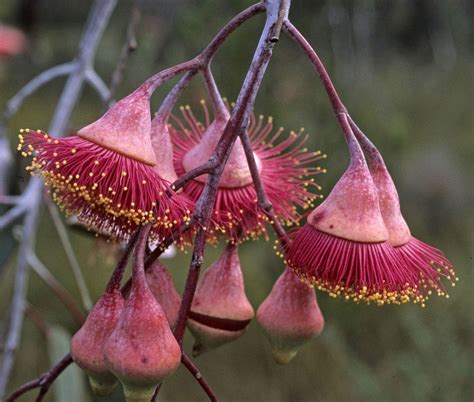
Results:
<point x="344" y="248"/>
<point x="108" y="174"/>
<point x="424" y="261"/>
<point x="283" y="167"/>
<point x="357" y="244"/>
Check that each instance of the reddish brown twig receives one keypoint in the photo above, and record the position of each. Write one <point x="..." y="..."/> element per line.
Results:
<point x="43" y="382"/>
<point x="236" y="125"/>
<point x="262" y="198"/>
<point x="188" y="363"/>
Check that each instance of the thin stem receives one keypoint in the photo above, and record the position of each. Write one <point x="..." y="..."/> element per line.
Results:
<point x="17" y="305"/>
<point x="208" y="53"/>
<point x="337" y="105"/>
<point x="48" y="378"/>
<point x="282" y="15"/>
<point x="12" y="214"/>
<point x="168" y="241"/>
<point x="294" y="34"/>
<point x="219" y="107"/>
<point x="58" y="289"/>
<point x="188" y="363"/>
<point x="95" y="26"/>
<point x="192" y="174"/>
<point x="262" y="199"/>
<point x="116" y="278"/>
<point x="375" y="157"/>
<point x="138" y="271"/>
<point x="166" y="107"/>
<point x="155" y="81"/>
<point x="43" y="382"/>
<point x="6" y="162"/>
<point x="23" y="390"/>
<point x="357" y="156"/>
<point x="10" y="199"/>
<point x="205" y="57"/>
<point x="70" y="254"/>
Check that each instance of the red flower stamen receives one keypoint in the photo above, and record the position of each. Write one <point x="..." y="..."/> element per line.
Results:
<point x="344" y="248"/>
<point x="284" y="170"/>
<point x="426" y="262"/>
<point x="108" y="191"/>
<point x="108" y="174"/>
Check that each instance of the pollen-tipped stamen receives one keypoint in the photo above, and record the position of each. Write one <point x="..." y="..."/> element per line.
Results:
<point x="344" y="249"/>
<point x="425" y="262"/>
<point x="283" y="165"/>
<point x="106" y="175"/>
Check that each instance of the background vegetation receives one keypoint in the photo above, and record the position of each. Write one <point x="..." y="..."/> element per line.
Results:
<point x="404" y="69"/>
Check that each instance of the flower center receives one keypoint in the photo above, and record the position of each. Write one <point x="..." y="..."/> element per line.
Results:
<point x="236" y="172"/>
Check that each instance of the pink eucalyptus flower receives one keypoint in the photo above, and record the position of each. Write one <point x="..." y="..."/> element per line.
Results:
<point x="283" y="168"/>
<point x="343" y="249"/>
<point x="109" y="174"/>
<point x="12" y="41"/>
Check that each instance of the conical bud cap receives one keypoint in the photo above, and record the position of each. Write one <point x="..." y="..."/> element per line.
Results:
<point x="163" y="149"/>
<point x="125" y="128"/>
<point x="236" y="171"/>
<point x="398" y="230"/>
<point x="351" y="211"/>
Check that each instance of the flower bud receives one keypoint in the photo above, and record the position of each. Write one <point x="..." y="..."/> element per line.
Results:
<point x="161" y="285"/>
<point x="142" y="350"/>
<point x="290" y="316"/>
<point x="87" y="344"/>
<point x="220" y="311"/>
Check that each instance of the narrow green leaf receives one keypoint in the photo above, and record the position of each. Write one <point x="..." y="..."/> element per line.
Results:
<point x="71" y="384"/>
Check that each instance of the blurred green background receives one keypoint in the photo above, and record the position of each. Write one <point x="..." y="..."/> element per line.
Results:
<point x="405" y="71"/>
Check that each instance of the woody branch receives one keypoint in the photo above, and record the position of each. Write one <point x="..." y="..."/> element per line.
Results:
<point x="81" y="71"/>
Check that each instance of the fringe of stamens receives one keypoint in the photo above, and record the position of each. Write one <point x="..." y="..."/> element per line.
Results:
<point x="109" y="192"/>
<point x="287" y="175"/>
<point x="430" y="263"/>
<point x="369" y="272"/>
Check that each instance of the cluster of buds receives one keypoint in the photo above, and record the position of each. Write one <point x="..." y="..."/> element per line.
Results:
<point x="131" y="340"/>
<point x="117" y="175"/>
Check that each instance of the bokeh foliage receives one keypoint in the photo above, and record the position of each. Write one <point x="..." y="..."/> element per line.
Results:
<point x="404" y="69"/>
